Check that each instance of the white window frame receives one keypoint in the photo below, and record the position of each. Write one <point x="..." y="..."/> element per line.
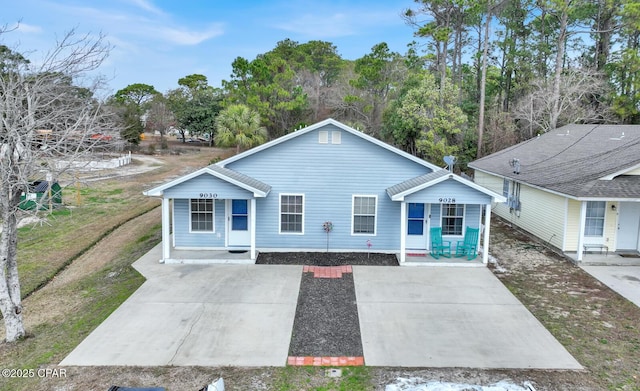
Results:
<point x="375" y="215"/>
<point x="213" y="216"/>
<point x="442" y="217"/>
<point x="280" y="231"/>
<point x="323" y="137"/>
<point x="602" y="219"/>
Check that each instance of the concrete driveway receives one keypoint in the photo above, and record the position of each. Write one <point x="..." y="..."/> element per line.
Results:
<point x="623" y="279"/>
<point x="233" y="315"/>
<point x="449" y="317"/>
<point x="208" y="315"/>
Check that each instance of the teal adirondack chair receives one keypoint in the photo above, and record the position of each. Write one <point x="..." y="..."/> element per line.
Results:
<point x="468" y="246"/>
<point x="439" y="248"/>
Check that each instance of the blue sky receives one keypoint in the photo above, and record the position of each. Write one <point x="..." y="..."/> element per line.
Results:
<point x="159" y="41"/>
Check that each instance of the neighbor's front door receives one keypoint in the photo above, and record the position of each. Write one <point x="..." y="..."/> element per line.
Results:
<point x="417" y="230"/>
<point x="238" y="218"/>
<point x="628" y="226"/>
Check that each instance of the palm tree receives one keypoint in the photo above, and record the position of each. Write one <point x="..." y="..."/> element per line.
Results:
<point x="239" y="126"/>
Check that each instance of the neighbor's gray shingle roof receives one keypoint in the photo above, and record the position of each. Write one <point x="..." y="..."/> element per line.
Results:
<point x="572" y="160"/>
<point x="244" y="179"/>
<point x="414" y="182"/>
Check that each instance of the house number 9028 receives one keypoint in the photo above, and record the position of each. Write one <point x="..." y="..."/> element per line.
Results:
<point x="208" y="195"/>
<point x="447" y="200"/>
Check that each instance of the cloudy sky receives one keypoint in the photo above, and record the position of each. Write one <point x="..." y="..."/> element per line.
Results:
<point x="159" y="41"/>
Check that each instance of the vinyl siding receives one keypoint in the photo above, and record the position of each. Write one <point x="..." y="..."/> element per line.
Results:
<point x="207" y="183"/>
<point x="610" y="225"/>
<point x="449" y="189"/>
<point x="541" y="213"/>
<point x="573" y="226"/>
<point x="328" y="175"/>
<point x="494" y="183"/>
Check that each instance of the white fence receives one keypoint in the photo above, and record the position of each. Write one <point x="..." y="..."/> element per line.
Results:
<point x="91" y="165"/>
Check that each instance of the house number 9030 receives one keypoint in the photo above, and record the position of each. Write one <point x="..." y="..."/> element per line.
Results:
<point x="208" y="195"/>
<point x="447" y="200"/>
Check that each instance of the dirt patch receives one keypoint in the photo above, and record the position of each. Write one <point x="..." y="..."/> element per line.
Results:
<point x="595" y="324"/>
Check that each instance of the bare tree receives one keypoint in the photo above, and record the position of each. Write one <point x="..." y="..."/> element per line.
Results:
<point x="45" y="121"/>
<point x="578" y="101"/>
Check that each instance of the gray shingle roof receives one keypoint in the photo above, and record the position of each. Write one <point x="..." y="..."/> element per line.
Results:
<point x="572" y="160"/>
<point x="242" y="178"/>
<point x="414" y="182"/>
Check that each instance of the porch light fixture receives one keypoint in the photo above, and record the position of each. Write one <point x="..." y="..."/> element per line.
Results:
<point x="613" y="207"/>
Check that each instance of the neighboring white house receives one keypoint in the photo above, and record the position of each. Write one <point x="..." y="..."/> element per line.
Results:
<point x="575" y="187"/>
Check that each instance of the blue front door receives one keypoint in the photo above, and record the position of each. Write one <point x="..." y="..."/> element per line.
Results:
<point x="238" y="219"/>
<point x="417" y="219"/>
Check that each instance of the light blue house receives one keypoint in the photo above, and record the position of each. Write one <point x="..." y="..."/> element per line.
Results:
<point x="277" y="197"/>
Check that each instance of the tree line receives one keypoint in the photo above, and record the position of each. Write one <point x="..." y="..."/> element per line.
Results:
<point x="477" y="77"/>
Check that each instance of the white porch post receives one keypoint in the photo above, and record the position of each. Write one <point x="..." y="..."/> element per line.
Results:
<point x="583" y="219"/>
<point x="403" y="232"/>
<point x="252" y="226"/>
<point x="166" y="229"/>
<point x="485" y="239"/>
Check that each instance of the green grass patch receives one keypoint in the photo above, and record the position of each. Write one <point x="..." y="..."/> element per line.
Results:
<point x="102" y="293"/>
<point x="47" y="248"/>
<point x="292" y="378"/>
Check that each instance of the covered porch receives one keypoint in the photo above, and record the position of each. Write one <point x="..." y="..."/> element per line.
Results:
<point x="209" y="216"/>
<point x="609" y="227"/>
<point x="447" y="201"/>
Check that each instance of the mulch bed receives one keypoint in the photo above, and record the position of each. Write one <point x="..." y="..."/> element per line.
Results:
<point x="326" y="322"/>
<point x="326" y="259"/>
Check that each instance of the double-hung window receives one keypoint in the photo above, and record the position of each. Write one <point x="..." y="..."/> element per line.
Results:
<point x="452" y="219"/>
<point x="201" y="211"/>
<point x="594" y="222"/>
<point x="364" y="215"/>
<point x="291" y="213"/>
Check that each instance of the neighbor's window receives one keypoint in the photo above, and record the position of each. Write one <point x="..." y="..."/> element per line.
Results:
<point x="594" y="223"/>
<point x="452" y="219"/>
<point x="505" y="187"/>
<point x="201" y="211"/>
<point x="364" y="215"/>
<point x="291" y="213"/>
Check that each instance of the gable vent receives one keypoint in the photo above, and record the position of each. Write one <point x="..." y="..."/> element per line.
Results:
<point x="336" y="137"/>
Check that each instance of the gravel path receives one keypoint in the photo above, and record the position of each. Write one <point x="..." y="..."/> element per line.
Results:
<point x="326" y="322"/>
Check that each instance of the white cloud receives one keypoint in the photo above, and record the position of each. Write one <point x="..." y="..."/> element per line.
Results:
<point x="337" y="24"/>
<point x="185" y="37"/>
<point x="147" y="6"/>
<point x="28" y="29"/>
